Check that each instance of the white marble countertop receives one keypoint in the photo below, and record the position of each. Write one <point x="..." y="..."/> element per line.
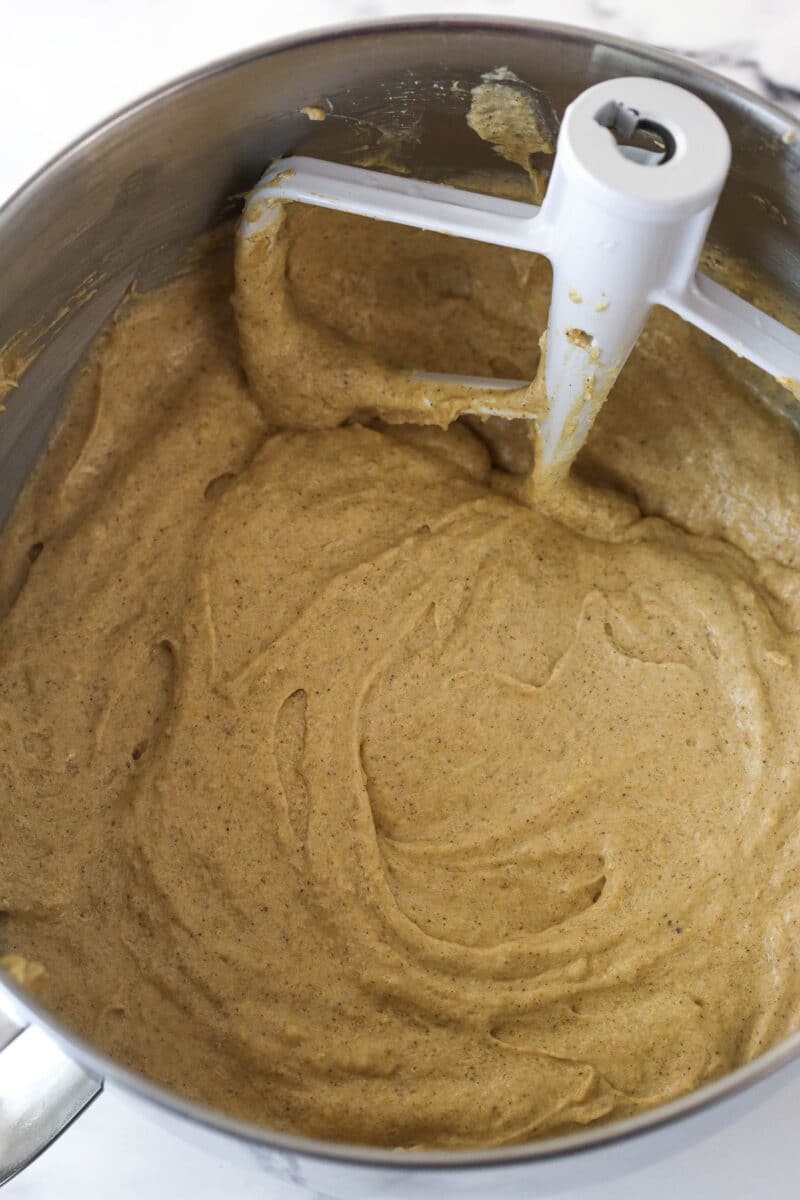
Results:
<point x="66" y="65"/>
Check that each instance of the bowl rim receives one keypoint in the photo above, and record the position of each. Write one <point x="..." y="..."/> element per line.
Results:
<point x="27" y="1009"/>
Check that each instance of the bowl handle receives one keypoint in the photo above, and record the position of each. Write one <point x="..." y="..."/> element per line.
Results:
<point x="41" y="1091"/>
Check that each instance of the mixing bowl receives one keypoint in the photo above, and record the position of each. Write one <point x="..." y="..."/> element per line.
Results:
<point x="123" y="204"/>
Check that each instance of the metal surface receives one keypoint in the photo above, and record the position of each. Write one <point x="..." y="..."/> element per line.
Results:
<point x="122" y="204"/>
<point x="42" y="1090"/>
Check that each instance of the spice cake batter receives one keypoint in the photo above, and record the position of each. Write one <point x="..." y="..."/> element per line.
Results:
<point x="344" y="791"/>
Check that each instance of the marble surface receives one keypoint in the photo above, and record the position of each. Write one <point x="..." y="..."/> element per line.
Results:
<point x="65" y="66"/>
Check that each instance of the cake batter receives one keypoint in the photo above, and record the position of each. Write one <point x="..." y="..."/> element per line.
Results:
<point x="347" y="792"/>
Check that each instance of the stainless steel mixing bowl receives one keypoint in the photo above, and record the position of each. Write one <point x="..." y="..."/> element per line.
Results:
<point x="123" y="204"/>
